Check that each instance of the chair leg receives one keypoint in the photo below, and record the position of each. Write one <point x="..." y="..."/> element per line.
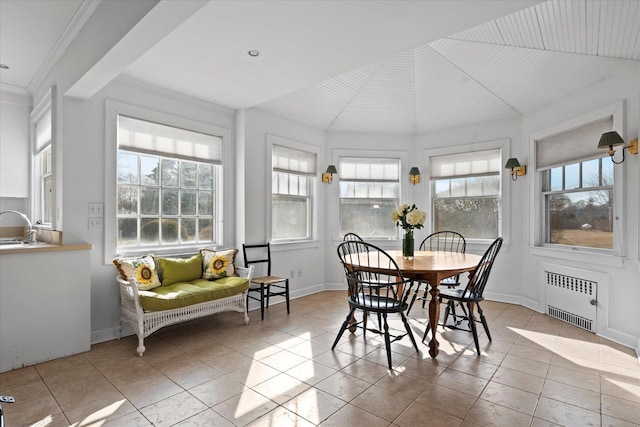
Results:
<point x="424" y="295"/>
<point x="484" y="321"/>
<point x="409" y="331"/>
<point x="268" y="294"/>
<point x="426" y="331"/>
<point x="447" y="310"/>
<point x="343" y="328"/>
<point x="287" y="294"/>
<point x="415" y="295"/>
<point x="472" y="325"/>
<point x="387" y="340"/>
<point x="262" y="301"/>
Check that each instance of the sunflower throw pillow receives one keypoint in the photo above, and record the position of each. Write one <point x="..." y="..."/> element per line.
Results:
<point x="142" y="270"/>
<point x="217" y="264"/>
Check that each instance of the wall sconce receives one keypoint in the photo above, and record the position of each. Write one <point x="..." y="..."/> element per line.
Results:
<point x="609" y="139"/>
<point x="516" y="169"/>
<point x="328" y="175"/>
<point x="414" y="175"/>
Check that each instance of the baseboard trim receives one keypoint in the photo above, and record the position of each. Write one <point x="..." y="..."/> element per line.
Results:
<point x="621" y="338"/>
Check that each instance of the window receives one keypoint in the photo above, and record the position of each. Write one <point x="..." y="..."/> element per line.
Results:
<point x="292" y="187"/>
<point x="369" y="193"/>
<point x="578" y="187"/>
<point x="42" y="188"/>
<point x="465" y="192"/>
<point x="167" y="185"/>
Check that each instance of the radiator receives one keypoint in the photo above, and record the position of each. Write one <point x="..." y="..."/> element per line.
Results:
<point x="571" y="295"/>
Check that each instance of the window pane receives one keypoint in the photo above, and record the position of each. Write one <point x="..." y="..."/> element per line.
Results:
<point x="473" y="218"/>
<point x="582" y="218"/>
<point x="127" y="168"/>
<point x="442" y="188"/>
<point x="289" y="218"/>
<point x="491" y="185"/>
<point x="205" y="229"/>
<point x="127" y="200"/>
<point x="149" y="231"/>
<point x="475" y="187"/>
<point x="556" y="179"/>
<point x="149" y="169"/>
<point x="458" y="187"/>
<point x="47" y="199"/>
<point x="127" y="231"/>
<point x="188" y="178"/>
<point x="188" y="230"/>
<point x="170" y="230"/>
<point x="347" y="189"/>
<point x="205" y="177"/>
<point x="375" y="190"/>
<point x="390" y="190"/>
<point x="149" y="201"/>
<point x="205" y="203"/>
<point x="170" y="173"/>
<point x="572" y="176"/>
<point x="361" y="189"/>
<point x="188" y="202"/>
<point x="607" y="172"/>
<point x="368" y="217"/>
<point x="591" y="173"/>
<point x="169" y="202"/>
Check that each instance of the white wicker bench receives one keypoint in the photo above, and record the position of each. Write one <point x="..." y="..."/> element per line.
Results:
<point x="147" y="322"/>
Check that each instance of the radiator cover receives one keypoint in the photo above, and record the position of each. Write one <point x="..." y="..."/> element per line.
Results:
<point x="571" y="295"/>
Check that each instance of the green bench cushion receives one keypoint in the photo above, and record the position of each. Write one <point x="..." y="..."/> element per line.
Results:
<point x="182" y="294"/>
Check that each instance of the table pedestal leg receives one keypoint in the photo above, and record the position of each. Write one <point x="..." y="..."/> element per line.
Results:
<point x="434" y="316"/>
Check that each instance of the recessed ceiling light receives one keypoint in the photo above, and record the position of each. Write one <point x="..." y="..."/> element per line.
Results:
<point x="254" y="52"/>
<point x="4" y="66"/>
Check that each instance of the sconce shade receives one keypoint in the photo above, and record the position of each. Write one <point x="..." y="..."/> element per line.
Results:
<point x="332" y="169"/>
<point x="512" y="163"/>
<point x="414" y="171"/>
<point x="610" y="139"/>
<point x="328" y="175"/>
<point x="414" y="175"/>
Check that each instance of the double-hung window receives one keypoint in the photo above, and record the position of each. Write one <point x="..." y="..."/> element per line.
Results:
<point x="168" y="186"/>
<point x="293" y="177"/>
<point x="465" y="190"/>
<point x="578" y="187"/>
<point x="369" y="193"/>
<point x="43" y="178"/>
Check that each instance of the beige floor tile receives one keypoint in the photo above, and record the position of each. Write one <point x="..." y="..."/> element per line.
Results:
<point x="519" y="380"/>
<point x="61" y="365"/>
<point x="476" y="367"/>
<point x="28" y="391"/>
<point x="447" y="400"/>
<point x="191" y="376"/>
<point x="134" y="419"/>
<point x="565" y="414"/>
<point x="206" y="418"/>
<point x="403" y="384"/>
<point x="527" y="366"/>
<point x="281" y="388"/>
<point x="417" y="415"/>
<point x="26" y="413"/>
<point x="608" y="421"/>
<point x="335" y="359"/>
<point x="462" y="382"/>
<point x="254" y="374"/>
<point x="510" y="397"/>
<point x="173" y="410"/>
<point x="366" y="371"/>
<point x="426" y="369"/>
<point x="314" y="405"/>
<point x="353" y="416"/>
<point x="229" y="362"/>
<point x="72" y="395"/>
<point x="245" y="407"/>
<point x="538" y="422"/>
<point x="311" y="372"/>
<point x="526" y="352"/>
<point x="148" y="393"/>
<point x="572" y="395"/>
<point x="98" y="411"/>
<point x="622" y="386"/>
<point x="574" y="378"/>
<point x="280" y="417"/>
<point x="343" y="386"/>
<point x="283" y="360"/>
<point x="484" y="413"/>
<point x="19" y="377"/>
<point x="216" y="391"/>
<point x="381" y="402"/>
<point x="619" y="408"/>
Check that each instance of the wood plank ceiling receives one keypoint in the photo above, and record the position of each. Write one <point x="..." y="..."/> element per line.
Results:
<point x="498" y="70"/>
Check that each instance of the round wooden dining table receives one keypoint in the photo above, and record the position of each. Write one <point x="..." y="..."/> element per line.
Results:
<point x="432" y="267"/>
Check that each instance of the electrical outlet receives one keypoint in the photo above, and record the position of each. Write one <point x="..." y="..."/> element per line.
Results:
<point x="96" y="223"/>
<point x="96" y="210"/>
<point x="299" y="272"/>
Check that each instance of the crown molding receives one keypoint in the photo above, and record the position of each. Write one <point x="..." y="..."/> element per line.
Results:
<point x="76" y="23"/>
<point x="4" y="87"/>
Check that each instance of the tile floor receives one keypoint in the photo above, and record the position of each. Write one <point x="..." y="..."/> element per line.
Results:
<point x="281" y="372"/>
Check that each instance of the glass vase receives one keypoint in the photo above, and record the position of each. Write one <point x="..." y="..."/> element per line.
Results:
<point x="407" y="245"/>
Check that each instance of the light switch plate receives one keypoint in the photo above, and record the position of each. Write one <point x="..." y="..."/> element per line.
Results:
<point x="96" y="210"/>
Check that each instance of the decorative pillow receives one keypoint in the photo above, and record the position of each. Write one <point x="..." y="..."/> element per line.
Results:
<point x="175" y="270"/>
<point x="141" y="270"/>
<point x="217" y="264"/>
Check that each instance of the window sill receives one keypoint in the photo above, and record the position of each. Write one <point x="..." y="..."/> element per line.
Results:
<point x="301" y="244"/>
<point x="603" y="259"/>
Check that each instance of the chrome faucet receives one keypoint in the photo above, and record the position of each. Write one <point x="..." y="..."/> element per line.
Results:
<point x="31" y="234"/>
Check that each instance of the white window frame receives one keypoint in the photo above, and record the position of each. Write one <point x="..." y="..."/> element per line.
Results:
<point x="113" y="110"/>
<point x="313" y="190"/>
<point x="504" y="198"/>
<point x="537" y="223"/>
<point x="403" y="195"/>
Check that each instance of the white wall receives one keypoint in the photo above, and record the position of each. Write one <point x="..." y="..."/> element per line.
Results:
<point x="624" y="274"/>
<point x="14" y="145"/>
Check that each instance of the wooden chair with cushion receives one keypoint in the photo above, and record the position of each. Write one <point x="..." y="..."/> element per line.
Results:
<point x="264" y="286"/>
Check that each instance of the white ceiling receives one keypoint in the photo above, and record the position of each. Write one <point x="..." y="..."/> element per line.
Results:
<point x="361" y="66"/>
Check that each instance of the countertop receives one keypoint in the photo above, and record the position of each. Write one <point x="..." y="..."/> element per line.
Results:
<point x="42" y="247"/>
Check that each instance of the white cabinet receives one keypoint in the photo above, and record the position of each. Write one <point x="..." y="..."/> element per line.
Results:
<point x="14" y="144"/>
